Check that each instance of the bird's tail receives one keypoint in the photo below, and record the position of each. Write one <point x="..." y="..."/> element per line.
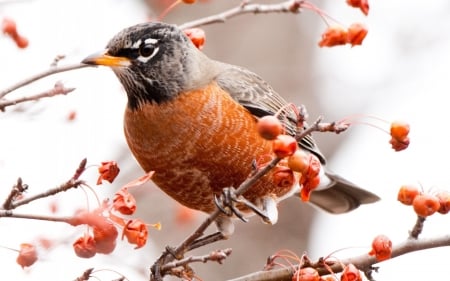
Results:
<point x="341" y="196"/>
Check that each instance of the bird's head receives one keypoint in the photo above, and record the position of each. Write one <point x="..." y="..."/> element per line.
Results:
<point x="153" y="61"/>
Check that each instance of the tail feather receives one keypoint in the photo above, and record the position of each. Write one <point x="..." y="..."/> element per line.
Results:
<point x="341" y="196"/>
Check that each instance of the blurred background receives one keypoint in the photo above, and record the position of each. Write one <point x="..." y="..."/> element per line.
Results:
<point x="400" y="72"/>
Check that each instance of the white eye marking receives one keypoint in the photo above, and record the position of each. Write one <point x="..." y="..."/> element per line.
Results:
<point x="150" y="41"/>
<point x="146" y="59"/>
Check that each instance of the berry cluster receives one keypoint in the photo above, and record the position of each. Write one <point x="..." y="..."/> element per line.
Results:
<point x="424" y="204"/>
<point x="296" y="160"/>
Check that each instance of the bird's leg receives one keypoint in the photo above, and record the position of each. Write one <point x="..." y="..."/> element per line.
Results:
<point x="227" y="204"/>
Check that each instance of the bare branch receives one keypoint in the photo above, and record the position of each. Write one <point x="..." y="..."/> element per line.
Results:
<point x="73" y="182"/>
<point x="217" y="256"/>
<point x="363" y="262"/>
<point x="291" y="6"/>
<point x="58" y="89"/>
<point x="29" y="80"/>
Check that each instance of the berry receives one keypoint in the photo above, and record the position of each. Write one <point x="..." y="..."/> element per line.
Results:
<point x="269" y="127"/>
<point x="284" y="146"/>
<point x="381" y="248"/>
<point x="407" y="193"/>
<point x="425" y="205"/>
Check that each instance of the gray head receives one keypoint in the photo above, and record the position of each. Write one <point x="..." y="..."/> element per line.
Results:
<point x="154" y="62"/>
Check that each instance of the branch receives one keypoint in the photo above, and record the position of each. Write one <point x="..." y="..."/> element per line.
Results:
<point x="291" y="6"/>
<point x="217" y="256"/>
<point x="51" y="71"/>
<point x="58" y="89"/>
<point x="363" y="262"/>
<point x="18" y="189"/>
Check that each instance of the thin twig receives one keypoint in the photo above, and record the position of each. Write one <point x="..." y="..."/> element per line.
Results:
<point x="63" y="187"/>
<point x="13" y="214"/>
<point x="217" y="256"/>
<point x="18" y="189"/>
<point x="31" y="79"/>
<point x="291" y="6"/>
<point x="58" y="89"/>
<point x="418" y="227"/>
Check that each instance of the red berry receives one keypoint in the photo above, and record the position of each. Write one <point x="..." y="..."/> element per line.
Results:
<point x="425" y="205"/>
<point x="21" y="42"/>
<point x="9" y="27"/>
<point x="188" y="1"/>
<point x="351" y="273"/>
<point x="306" y="274"/>
<point x="381" y="248"/>
<point x="444" y="202"/>
<point x="197" y="36"/>
<point x="269" y="127"/>
<point x="407" y="193"/>
<point x="299" y="161"/>
<point x="399" y="130"/>
<point x="284" y="146"/>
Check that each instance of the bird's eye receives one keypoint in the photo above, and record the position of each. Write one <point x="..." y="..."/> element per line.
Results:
<point x="146" y="50"/>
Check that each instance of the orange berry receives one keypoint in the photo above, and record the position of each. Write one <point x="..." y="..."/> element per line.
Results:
<point x="105" y="236"/>
<point x="306" y="274"/>
<point x="356" y="34"/>
<point x="363" y="5"/>
<point x="136" y="232"/>
<point x="444" y="202"/>
<point x="108" y="171"/>
<point x="269" y="127"/>
<point x="351" y="273"/>
<point x="197" y="36"/>
<point x="299" y="161"/>
<point x="84" y="247"/>
<point x="333" y="36"/>
<point x="21" y="42"/>
<point x="9" y="27"/>
<point x="407" y="193"/>
<point x="284" y="146"/>
<point x="399" y="130"/>
<point x="425" y="204"/>
<point x="27" y="255"/>
<point x="381" y="248"/>
<point x="188" y="1"/>
<point x="283" y="177"/>
<point x="124" y="202"/>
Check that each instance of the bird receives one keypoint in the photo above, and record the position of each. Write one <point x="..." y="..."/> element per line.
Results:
<point x="193" y="121"/>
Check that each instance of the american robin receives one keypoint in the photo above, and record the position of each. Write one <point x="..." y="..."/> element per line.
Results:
<point x="193" y="120"/>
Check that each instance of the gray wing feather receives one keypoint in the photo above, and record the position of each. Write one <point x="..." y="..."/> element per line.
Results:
<point x="257" y="96"/>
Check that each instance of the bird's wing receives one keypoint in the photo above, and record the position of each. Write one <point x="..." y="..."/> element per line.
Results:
<point x="258" y="97"/>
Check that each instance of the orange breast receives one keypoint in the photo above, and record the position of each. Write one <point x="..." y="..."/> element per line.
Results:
<point x="197" y="144"/>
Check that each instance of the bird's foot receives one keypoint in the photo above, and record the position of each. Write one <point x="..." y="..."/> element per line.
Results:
<point x="227" y="204"/>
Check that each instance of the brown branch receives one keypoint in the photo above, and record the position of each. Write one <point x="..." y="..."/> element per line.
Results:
<point x="12" y="214"/>
<point x="31" y="79"/>
<point x="291" y="6"/>
<point x="217" y="256"/>
<point x="418" y="227"/>
<point x="73" y="182"/>
<point x="363" y="262"/>
<point x="58" y="89"/>
<point x="16" y="191"/>
<point x="63" y="187"/>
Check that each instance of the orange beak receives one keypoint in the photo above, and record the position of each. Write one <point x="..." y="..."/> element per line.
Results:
<point x="102" y="58"/>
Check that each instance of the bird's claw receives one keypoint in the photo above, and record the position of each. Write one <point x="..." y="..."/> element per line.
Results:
<point x="227" y="204"/>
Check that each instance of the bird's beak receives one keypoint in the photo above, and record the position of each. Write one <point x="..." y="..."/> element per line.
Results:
<point x="103" y="58"/>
